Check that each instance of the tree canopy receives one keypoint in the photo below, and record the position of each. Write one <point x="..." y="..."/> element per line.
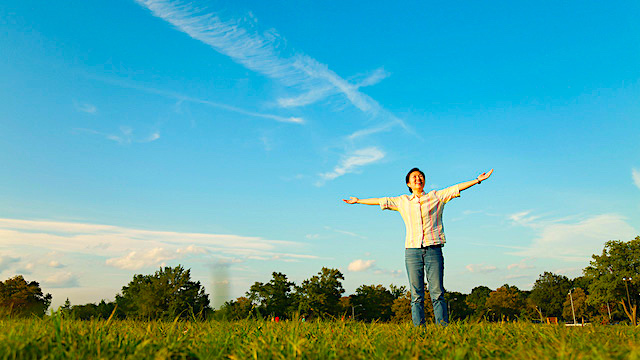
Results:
<point x="168" y="293"/>
<point x="320" y="295"/>
<point x="19" y="297"/>
<point x="273" y="298"/>
<point x="506" y="301"/>
<point x="372" y="302"/>
<point x="548" y="293"/>
<point x="619" y="260"/>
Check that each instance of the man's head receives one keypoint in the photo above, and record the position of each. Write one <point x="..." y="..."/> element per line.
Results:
<point x="415" y="180"/>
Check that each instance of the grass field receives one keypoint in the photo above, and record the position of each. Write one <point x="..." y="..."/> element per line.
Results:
<point x="59" y="338"/>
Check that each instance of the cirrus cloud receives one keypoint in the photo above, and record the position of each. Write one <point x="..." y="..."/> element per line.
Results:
<point x="635" y="175"/>
<point x="353" y="162"/>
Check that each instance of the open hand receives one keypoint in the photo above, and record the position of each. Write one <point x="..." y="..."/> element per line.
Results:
<point x="484" y="176"/>
<point x="352" y="200"/>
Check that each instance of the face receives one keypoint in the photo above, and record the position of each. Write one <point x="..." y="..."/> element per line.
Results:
<point x="416" y="181"/>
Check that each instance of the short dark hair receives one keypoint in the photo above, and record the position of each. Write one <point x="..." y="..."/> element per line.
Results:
<point x="406" y="178"/>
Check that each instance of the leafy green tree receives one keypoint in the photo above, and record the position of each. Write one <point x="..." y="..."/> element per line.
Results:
<point x="320" y="295"/>
<point x="168" y="293"/>
<point x="548" y="293"/>
<point x="273" y="298"/>
<point x="530" y="310"/>
<point x="457" y="305"/>
<point x="372" y="302"/>
<point x="105" y="309"/>
<point x="401" y="308"/>
<point x="506" y="302"/>
<point x="238" y="309"/>
<point x="66" y="307"/>
<point x="619" y="260"/>
<point x="21" y="298"/>
<point x="579" y="298"/>
<point x="397" y="291"/>
<point x="477" y="300"/>
<point x="85" y="312"/>
<point x="582" y="282"/>
<point x="102" y="310"/>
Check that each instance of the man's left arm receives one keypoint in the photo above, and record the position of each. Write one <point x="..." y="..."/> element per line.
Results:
<point x="482" y="177"/>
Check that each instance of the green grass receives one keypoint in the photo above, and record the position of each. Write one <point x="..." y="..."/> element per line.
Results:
<point x="58" y="338"/>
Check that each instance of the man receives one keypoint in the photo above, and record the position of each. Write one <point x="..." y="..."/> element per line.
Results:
<point x="422" y="215"/>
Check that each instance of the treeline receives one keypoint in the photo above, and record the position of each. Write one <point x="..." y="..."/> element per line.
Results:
<point x="167" y="294"/>
<point x="607" y="292"/>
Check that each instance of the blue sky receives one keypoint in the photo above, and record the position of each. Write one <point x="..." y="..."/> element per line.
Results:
<point x="222" y="136"/>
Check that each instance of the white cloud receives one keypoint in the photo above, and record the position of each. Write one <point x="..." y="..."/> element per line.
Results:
<point x="352" y="162"/>
<point x="574" y="241"/>
<point x="152" y="258"/>
<point x="55" y="264"/>
<point x="86" y="108"/>
<point x="345" y="232"/>
<point x="481" y="268"/>
<point x="118" y="243"/>
<point x="360" y="265"/>
<point x="138" y="259"/>
<point x="524" y="219"/>
<point x="635" y="174"/>
<point x="6" y="261"/>
<point x="191" y="249"/>
<point x="152" y="137"/>
<point x="26" y="269"/>
<point x="394" y="273"/>
<point x="264" y="53"/>
<point x="61" y="280"/>
<point x="522" y="265"/>
<point x="184" y="98"/>
<point x="382" y="127"/>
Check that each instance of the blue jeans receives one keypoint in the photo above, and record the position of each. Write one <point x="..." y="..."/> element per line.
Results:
<point x="417" y="260"/>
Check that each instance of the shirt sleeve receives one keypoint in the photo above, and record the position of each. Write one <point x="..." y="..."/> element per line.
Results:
<point x="390" y="203"/>
<point x="449" y="193"/>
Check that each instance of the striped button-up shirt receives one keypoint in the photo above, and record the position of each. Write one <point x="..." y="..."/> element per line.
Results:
<point x="422" y="215"/>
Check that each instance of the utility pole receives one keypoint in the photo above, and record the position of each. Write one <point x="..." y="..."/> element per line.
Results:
<point x="572" y="309"/>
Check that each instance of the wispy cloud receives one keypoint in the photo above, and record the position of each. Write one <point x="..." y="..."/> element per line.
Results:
<point x="6" y="261"/>
<point x="361" y="265"/>
<point x="152" y="137"/>
<point x="124" y="136"/>
<point x="481" y="268"/>
<point x="62" y="279"/>
<point x="181" y="98"/>
<point x="345" y="232"/>
<point x="635" y="174"/>
<point x="135" y="260"/>
<point x="267" y="53"/>
<point x="522" y="265"/>
<point x="353" y="162"/>
<point x="524" y="219"/>
<point x="263" y="52"/>
<point x="572" y="240"/>
<point x="85" y="107"/>
<point x="130" y="247"/>
<point x="55" y="264"/>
